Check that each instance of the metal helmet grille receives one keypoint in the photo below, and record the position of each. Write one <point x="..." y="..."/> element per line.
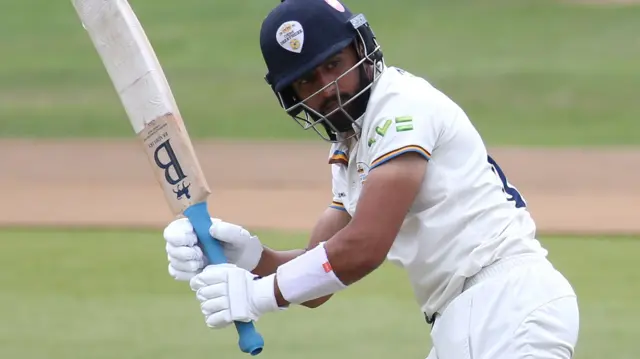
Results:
<point x="308" y="118"/>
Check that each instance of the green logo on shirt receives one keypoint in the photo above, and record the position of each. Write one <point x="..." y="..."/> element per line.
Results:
<point x="382" y="130"/>
<point x="403" y="123"/>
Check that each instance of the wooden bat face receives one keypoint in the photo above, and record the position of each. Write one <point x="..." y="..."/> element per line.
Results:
<point x="144" y="91"/>
<point x="129" y="59"/>
<point x="174" y="161"/>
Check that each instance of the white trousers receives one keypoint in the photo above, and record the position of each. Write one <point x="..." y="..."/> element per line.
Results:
<point x="519" y="308"/>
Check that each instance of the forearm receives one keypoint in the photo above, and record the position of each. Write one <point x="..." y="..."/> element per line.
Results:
<point x="312" y="278"/>
<point x="341" y="261"/>
<point x="351" y="256"/>
<point x="330" y="223"/>
<point x="271" y="260"/>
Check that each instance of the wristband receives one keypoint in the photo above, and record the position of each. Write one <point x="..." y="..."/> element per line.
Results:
<point x="308" y="276"/>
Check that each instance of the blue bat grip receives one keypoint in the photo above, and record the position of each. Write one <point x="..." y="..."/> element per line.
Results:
<point x="250" y="340"/>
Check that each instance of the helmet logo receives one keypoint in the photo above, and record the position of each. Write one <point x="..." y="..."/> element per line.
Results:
<point x="290" y="36"/>
<point x="335" y="4"/>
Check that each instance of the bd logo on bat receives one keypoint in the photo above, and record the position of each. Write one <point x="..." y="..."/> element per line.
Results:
<point x="166" y="159"/>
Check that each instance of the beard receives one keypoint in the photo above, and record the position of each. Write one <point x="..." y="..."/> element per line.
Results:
<point x="346" y="115"/>
<point x="342" y="119"/>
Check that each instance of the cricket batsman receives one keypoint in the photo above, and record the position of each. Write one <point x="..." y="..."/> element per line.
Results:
<point x="412" y="184"/>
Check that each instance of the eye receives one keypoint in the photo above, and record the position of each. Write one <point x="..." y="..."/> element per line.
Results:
<point x="333" y="64"/>
<point x="306" y="79"/>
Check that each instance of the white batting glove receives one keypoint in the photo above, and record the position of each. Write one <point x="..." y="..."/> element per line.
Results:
<point x="186" y="258"/>
<point x="228" y="293"/>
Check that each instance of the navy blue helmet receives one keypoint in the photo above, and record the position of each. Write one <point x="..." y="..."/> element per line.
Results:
<point x="300" y="35"/>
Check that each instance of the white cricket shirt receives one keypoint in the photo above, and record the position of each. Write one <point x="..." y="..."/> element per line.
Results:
<point x="466" y="215"/>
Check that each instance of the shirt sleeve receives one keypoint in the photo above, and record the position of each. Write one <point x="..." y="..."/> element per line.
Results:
<point x="405" y="124"/>
<point x="338" y="187"/>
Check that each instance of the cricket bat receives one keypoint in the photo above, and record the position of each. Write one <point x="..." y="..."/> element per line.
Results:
<point x="144" y="91"/>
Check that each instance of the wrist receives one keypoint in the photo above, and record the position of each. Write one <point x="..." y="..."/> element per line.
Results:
<point x="270" y="260"/>
<point x="254" y="256"/>
<point x="307" y="277"/>
<point x="264" y="262"/>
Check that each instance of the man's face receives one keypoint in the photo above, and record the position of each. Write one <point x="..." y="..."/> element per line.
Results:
<point x="327" y="100"/>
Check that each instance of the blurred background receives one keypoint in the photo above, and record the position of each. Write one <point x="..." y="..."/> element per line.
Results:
<point x="551" y="86"/>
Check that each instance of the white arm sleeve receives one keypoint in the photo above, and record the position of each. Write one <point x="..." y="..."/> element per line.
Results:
<point x="338" y="186"/>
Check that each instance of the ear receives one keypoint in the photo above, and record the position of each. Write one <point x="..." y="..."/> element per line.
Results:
<point x="367" y="65"/>
<point x="359" y="48"/>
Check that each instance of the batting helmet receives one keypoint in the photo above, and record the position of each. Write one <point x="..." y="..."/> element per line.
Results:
<point x="298" y="36"/>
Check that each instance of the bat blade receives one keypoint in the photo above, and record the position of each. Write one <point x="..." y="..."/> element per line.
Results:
<point x="143" y="89"/>
<point x="129" y="59"/>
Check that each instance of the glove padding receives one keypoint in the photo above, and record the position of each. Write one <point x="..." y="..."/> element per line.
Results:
<point x="186" y="258"/>
<point x="228" y="293"/>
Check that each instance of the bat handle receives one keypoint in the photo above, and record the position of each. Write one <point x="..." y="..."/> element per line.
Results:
<point x="250" y="341"/>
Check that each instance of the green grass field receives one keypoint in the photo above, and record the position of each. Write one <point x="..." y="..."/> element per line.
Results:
<point x="106" y="294"/>
<point x="527" y="73"/>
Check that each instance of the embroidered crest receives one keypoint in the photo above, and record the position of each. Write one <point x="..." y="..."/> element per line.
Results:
<point x="290" y="36"/>
<point x="363" y="171"/>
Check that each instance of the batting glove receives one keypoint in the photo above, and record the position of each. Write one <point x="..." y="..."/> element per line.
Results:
<point x="228" y="293"/>
<point x="186" y="258"/>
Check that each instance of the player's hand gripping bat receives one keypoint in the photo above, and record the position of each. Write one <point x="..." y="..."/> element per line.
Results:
<point x="142" y="87"/>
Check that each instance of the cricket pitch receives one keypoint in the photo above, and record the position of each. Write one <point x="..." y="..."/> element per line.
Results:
<point x="108" y="183"/>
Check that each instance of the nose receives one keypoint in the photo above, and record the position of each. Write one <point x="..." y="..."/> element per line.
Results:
<point x="326" y="84"/>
